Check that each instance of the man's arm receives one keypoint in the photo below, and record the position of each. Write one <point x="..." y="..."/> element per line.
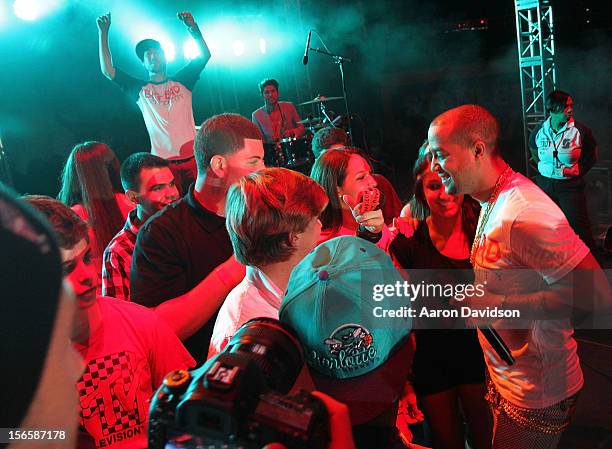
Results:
<point x="187" y="313"/>
<point x="194" y="30"/>
<point x="106" y="60"/>
<point x="584" y="295"/>
<point x="533" y="147"/>
<point x="297" y="129"/>
<point x="166" y="352"/>
<point x="158" y="280"/>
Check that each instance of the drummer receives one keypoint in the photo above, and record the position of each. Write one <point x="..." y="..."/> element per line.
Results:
<point x="277" y="120"/>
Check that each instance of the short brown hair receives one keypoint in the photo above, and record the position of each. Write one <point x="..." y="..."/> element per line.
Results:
<point x="326" y="137"/>
<point x="68" y="227"/>
<point x="264" y="208"/>
<point x="471" y="122"/>
<point x="222" y="134"/>
<point x="267" y="82"/>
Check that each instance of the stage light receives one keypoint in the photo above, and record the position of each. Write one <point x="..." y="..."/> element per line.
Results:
<point x="191" y="49"/>
<point x="169" y="50"/>
<point x="262" y="46"/>
<point x="3" y="13"/>
<point x="238" y="47"/>
<point x="34" y="9"/>
<point x="27" y="9"/>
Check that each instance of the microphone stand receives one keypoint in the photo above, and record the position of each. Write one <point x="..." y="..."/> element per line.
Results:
<point x="340" y="60"/>
<point x="323" y="110"/>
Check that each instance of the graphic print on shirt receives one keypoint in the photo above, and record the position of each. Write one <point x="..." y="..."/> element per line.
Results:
<point x="111" y="409"/>
<point x="489" y="250"/>
<point x="171" y="93"/>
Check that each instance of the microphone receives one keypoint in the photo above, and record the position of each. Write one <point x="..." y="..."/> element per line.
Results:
<point x="305" y="58"/>
<point x="499" y="346"/>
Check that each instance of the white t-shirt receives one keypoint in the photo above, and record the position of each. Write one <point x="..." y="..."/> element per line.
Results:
<point x="166" y="109"/>
<point x="526" y="244"/>
<point x="168" y="115"/>
<point x="256" y="296"/>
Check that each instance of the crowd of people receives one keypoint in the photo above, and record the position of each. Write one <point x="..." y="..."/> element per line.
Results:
<point x="165" y="256"/>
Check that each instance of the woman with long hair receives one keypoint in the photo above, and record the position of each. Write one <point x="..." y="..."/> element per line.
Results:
<point x="91" y="186"/>
<point x="346" y="176"/>
<point x="448" y="366"/>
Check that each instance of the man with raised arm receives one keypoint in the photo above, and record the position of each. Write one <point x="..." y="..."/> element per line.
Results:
<point x="165" y="101"/>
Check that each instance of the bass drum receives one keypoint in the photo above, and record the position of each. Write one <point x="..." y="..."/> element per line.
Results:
<point x="273" y="155"/>
<point x="297" y="152"/>
<point x="291" y="153"/>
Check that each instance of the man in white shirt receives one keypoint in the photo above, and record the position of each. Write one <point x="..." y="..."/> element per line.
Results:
<point x="564" y="151"/>
<point x="529" y="259"/>
<point x="165" y="101"/>
<point x="272" y="217"/>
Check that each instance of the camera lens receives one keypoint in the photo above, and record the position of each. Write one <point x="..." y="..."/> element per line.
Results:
<point x="273" y="347"/>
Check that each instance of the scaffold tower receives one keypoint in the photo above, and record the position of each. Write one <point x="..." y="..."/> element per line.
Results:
<point x="536" y="51"/>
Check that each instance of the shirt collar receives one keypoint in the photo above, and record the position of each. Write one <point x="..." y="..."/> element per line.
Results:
<point x="268" y="289"/>
<point x="132" y="223"/>
<point x="209" y="219"/>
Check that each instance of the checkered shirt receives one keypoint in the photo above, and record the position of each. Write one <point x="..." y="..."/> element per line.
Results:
<point x="117" y="260"/>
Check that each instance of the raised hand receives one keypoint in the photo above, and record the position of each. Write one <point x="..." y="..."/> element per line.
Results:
<point x="372" y="220"/>
<point x="104" y="22"/>
<point x="186" y="18"/>
<point x="405" y="226"/>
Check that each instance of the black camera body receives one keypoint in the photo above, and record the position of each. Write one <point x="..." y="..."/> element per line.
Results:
<point x="239" y="398"/>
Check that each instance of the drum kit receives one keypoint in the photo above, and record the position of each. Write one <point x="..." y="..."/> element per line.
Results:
<point x="296" y="153"/>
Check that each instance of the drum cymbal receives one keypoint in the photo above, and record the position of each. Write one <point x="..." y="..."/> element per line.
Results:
<point x="320" y="99"/>
<point x="311" y="121"/>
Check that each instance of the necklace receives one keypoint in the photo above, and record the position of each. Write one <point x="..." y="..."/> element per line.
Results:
<point x="484" y="215"/>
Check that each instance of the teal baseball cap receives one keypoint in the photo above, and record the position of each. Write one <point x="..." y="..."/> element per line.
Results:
<point x="352" y="352"/>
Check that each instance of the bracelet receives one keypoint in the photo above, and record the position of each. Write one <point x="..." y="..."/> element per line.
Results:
<point x="373" y="237"/>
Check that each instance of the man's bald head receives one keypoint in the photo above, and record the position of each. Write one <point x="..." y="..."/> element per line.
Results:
<point x="469" y="123"/>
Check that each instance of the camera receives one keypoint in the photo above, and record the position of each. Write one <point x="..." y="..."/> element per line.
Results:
<point x="238" y="399"/>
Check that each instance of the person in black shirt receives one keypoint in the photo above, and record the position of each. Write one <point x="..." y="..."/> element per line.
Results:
<point x="184" y="243"/>
<point x="448" y="365"/>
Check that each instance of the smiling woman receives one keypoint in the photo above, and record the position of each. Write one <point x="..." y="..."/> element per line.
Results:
<point x="440" y="244"/>
<point x="342" y="172"/>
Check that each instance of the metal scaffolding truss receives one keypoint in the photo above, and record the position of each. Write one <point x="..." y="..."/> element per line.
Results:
<point x="536" y="50"/>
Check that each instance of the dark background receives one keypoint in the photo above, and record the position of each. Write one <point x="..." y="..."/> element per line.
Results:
<point x="409" y="64"/>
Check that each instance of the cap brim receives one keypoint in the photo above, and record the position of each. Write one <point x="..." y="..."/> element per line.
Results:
<point x="366" y="396"/>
